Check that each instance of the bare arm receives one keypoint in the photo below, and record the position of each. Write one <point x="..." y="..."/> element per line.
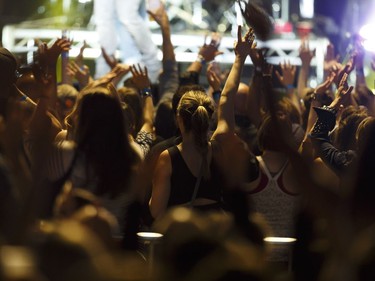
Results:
<point x="207" y="53"/>
<point x="141" y="80"/>
<point x="161" y="18"/>
<point x="256" y="100"/>
<point x="226" y="102"/>
<point x="47" y="60"/>
<point x="161" y="185"/>
<point x="287" y="79"/>
<point x="306" y="56"/>
<point x="168" y="80"/>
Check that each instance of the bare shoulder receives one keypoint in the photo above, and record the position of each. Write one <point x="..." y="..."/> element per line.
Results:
<point x="164" y="164"/>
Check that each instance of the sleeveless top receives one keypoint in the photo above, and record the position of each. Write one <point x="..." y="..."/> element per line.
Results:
<point x="274" y="202"/>
<point x="183" y="182"/>
<point x="277" y="205"/>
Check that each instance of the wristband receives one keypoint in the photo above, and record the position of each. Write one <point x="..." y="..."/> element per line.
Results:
<point x="146" y="92"/>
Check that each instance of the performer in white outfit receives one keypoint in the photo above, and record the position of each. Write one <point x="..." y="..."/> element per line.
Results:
<point x="122" y="24"/>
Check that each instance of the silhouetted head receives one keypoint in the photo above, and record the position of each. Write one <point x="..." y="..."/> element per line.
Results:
<point x="8" y="67"/>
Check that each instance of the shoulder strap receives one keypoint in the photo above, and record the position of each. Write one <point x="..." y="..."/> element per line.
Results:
<point x="266" y="170"/>
<point x="264" y="167"/>
<point x="282" y="169"/>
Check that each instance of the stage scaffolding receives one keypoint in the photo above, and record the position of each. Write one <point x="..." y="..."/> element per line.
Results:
<point x="20" y="39"/>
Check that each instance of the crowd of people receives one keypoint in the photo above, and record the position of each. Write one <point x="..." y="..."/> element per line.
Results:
<point x="220" y="172"/>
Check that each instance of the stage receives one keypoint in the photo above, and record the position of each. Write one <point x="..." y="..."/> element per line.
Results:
<point x="20" y="39"/>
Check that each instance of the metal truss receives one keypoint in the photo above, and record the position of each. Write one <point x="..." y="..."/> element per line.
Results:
<point x="20" y="39"/>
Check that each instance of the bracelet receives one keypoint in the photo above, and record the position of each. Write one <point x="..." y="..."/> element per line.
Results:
<point x="146" y="92"/>
<point x="201" y="59"/>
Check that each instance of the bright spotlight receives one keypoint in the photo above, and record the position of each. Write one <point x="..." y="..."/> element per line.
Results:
<point x="367" y="33"/>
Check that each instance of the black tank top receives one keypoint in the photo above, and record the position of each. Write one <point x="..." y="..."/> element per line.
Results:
<point x="183" y="181"/>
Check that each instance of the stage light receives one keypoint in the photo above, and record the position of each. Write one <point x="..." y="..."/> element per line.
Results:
<point x="369" y="45"/>
<point x="367" y="31"/>
<point x="367" y="34"/>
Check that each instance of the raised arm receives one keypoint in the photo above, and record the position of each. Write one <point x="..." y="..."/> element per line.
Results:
<point x="207" y="53"/>
<point x="256" y="99"/>
<point x="168" y="80"/>
<point x="214" y="81"/>
<point x="46" y="64"/>
<point x="142" y="82"/>
<point x="242" y="49"/>
<point x="287" y="77"/>
<point x="319" y="134"/>
<point x="306" y="55"/>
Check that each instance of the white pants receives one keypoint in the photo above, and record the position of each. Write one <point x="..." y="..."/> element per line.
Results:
<point x="122" y="24"/>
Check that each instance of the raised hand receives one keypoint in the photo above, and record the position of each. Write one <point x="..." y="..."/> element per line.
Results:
<point x="347" y="69"/>
<point x="322" y="88"/>
<point x="49" y="55"/>
<point x="257" y="58"/>
<point x="140" y="77"/>
<point x="82" y="74"/>
<point x="160" y="16"/>
<point x="120" y="70"/>
<point x="213" y="79"/>
<point x="109" y="59"/>
<point x="305" y="54"/>
<point x="330" y="60"/>
<point x="288" y="74"/>
<point x="244" y="45"/>
<point x="209" y="51"/>
<point x="79" y="57"/>
<point x="343" y="93"/>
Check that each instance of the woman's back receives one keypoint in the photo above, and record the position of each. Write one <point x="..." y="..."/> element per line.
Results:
<point x="184" y="179"/>
<point x="275" y="199"/>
